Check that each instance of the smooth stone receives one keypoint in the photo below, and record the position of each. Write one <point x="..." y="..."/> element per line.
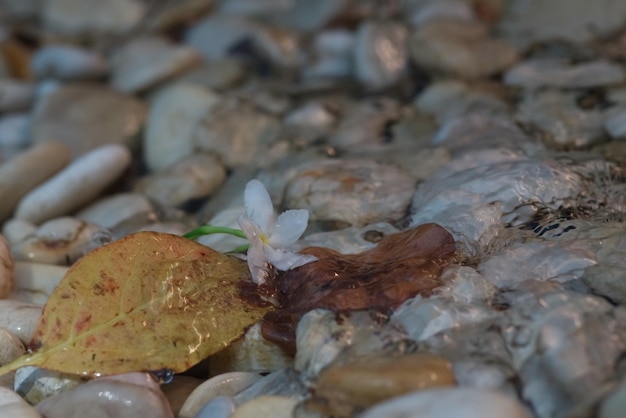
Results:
<point x="450" y="99"/>
<point x="16" y="95"/>
<point x="107" y="398"/>
<point x="461" y="49"/>
<point x="23" y="173"/>
<point x="364" y="123"/>
<point x="558" y="116"/>
<point x="252" y="353"/>
<point x="113" y="210"/>
<point x="17" y="230"/>
<point x="283" y="382"/>
<point x="307" y="16"/>
<point x="175" y="115"/>
<point x="240" y="134"/>
<point x="67" y="62"/>
<point x="557" y="73"/>
<point x="178" y="390"/>
<point x="380" y="54"/>
<point x="218" y="407"/>
<point x="14" y="134"/>
<point x="10" y="347"/>
<point x="608" y="281"/>
<point x="92" y="17"/>
<point x="615" y="122"/>
<point x="614" y="404"/>
<point x="61" y="241"/>
<point x="365" y="382"/>
<point x="221" y="74"/>
<point x="333" y="52"/>
<point x="193" y="177"/>
<point x="99" y="116"/>
<point x="35" y="384"/>
<point x="12" y="405"/>
<point x="266" y="407"/>
<point x="351" y="240"/>
<point x="224" y="31"/>
<point x="358" y="192"/>
<point x="228" y="384"/>
<point x="450" y="403"/>
<point x="525" y="22"/>
<point x="6" y="268"/>
<point x="422" y="12"/>
<point x="143" y="62"/>
<point x="19" y="318"/>
<point x="76" y="185"/>
<point x="35" y="282"/>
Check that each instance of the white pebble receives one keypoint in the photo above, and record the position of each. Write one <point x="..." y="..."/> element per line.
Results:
<point x="12" y="405"/>
<point x="19" y="318"/>
<point x="268" y="406"/>
<point x="76" y="185"/>
<point x="35" y="282"/>
<point x="10" y="347"/>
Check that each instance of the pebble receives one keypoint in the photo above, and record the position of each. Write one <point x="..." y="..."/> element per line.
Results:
<point x="461" y="49"/>
<point x="525" y="22"/>
<point x="16" y="95"/>
<point x="333" y="55"/>
<point x="422" y="12"/>
<point x="360" y="384"/>
<point x="23" y="173"/>
<point x="613" y="405"/>
<point x="559" y="117"/>
<point x="216" y="75"/>
<point x="85" y="127"/>
<point x="10" y="347"/>
<point x="12" y="405"/>
<point x="365" y="123"/>
<point x="224" y="31"/>
<point x="173" y="122"/>
<point x="113" y="210"/>
<point x="35" y="282"/>
<point x="19" y="318"/>
<point x="380" y="54"/>
<point x="76" y="185"/>
<point x="193" y="177"/>
<point x="615" y="122"/>
<point x="6" y="268"/>
<point x="66" y="62"/>
<point x="35" y="384"/>
<point x="266" y="407"/>
<point x="558" y="73"/>
<point x="75" y="18"/>
<point x="17" y="230"/>
<point x="146" y="61"/>
<point x="218" y="407"/>
<point x="358" y="192"/>
<point x="240" y="134"/>
<point x="60" y="241"/>
<point x="351" y="240"/>
<point x="228" y="384"/>
<point x="450" y="403"/>
<point x="107" y="397"/>
<point x="14" y="134"/>
<point x="308" y="16"/>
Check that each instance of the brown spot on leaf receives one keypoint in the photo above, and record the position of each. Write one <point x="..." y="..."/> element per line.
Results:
<point x="400" y="267"/>
<point x="82" y="322"/>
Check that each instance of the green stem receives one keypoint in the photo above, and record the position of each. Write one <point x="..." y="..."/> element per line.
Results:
<point x="240" y="249"/>
<point x="210" y="229"/>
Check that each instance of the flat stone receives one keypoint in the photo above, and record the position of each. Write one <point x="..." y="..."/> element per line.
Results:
<point x="380" y="54"/>
<point x="92" y="17"/>
<point x="97" y="116"/>
<point x="557" y="73"/>
<point x="175" y="116"/>
<point x="355" y="191"/>
<point x="146" y="61"/>
<point x="451" y="403"/>
<point x="351" y="387"/>
<point x="525" y="22"/>
<point x="23" y="173"/>
<point x="113" y="210"/>
<point x="68" y="63"/>
<point x="461" y="49"/>
<point x="193" y="177"/>
<point x="76" y="185"/>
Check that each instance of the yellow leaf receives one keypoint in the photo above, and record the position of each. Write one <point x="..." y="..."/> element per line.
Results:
<point x="147" y="302"/>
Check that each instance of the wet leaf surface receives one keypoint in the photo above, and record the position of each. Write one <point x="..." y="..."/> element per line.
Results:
<point x="400" y="267"/>
<point x="147" y="302"/>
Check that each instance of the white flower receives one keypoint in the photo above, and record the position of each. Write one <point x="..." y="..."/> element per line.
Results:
<point x="270" y="236"/>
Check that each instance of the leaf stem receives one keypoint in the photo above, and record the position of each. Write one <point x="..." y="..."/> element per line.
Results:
<point x="211" y="229"/>
<point x="241" y="249"/>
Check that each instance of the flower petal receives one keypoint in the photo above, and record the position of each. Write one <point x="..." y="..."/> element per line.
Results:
<point x="258" y="204"/>
<point x="285" y="260"/>
<point x="289" y="226"/>
<point x="256" y="253"/>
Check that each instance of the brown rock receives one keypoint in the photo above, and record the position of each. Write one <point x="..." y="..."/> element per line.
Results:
<point x="346" y="389"/>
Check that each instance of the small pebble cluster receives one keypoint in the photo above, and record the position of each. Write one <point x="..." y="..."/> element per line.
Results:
<point x="502" y="121"/>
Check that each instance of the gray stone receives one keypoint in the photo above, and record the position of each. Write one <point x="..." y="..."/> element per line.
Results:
<point x="85" y="116"/>
<point x="16" y="95"/>
<point x="113" y="210"/>
<point x="364" y="122"/>
<point x="68" y="63"/>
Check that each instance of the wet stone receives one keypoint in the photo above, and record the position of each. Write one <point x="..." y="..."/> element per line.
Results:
<point x="113" y="210"/>
<point x="35" y="384"/>
<point x="339" y="190"/>
<point x="99" y="116"/>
